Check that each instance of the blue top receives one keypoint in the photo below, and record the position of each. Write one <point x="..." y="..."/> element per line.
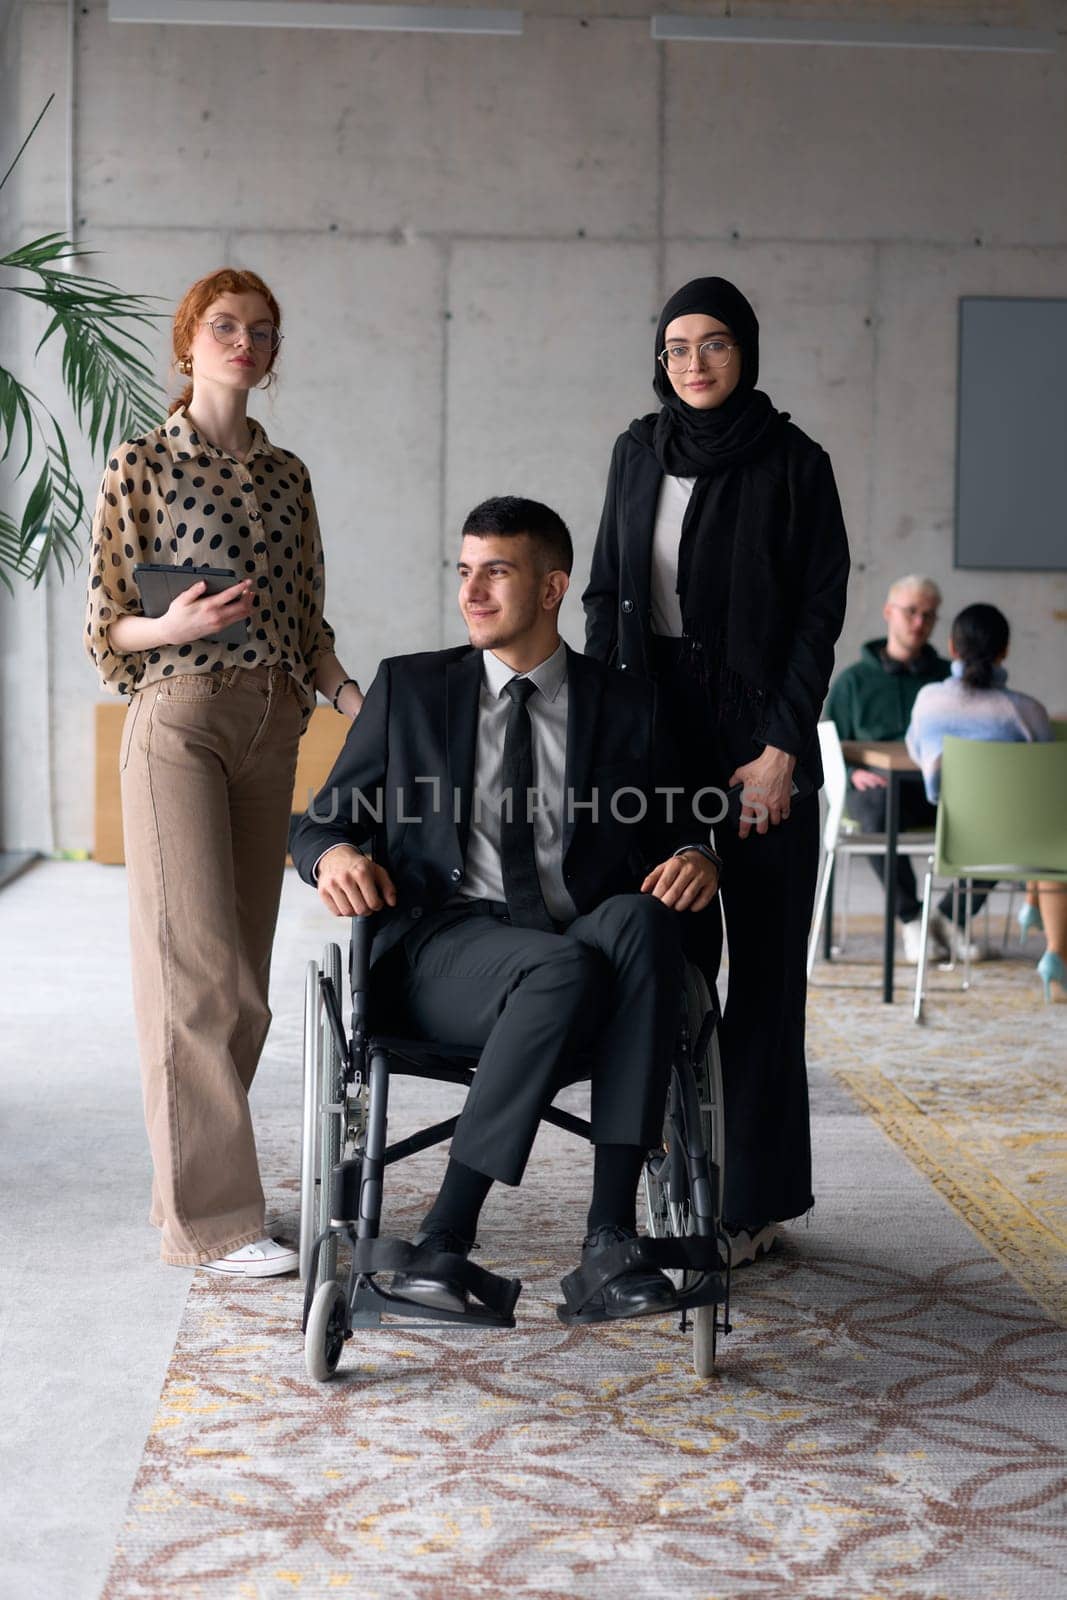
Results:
<point x="996" y="714"/>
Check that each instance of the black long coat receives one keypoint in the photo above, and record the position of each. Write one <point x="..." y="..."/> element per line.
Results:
<point x="810" y="581"/>
<point x="768" y="881"/>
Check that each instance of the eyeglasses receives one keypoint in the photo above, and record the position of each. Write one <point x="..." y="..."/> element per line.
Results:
<point x="915" y="613"/>
<point x="712" y="353"/>
<point x="227" y="330"/>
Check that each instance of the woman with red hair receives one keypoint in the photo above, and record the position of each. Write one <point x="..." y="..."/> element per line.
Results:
<point x="221" y="687"/>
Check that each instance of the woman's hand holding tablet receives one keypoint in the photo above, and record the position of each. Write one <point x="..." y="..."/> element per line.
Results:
<point x="199" y="615"/>
<point x="191" y="605"/>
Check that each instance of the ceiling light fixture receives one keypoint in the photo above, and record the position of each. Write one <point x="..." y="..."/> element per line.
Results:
<point x="287" y="14"/>
<point x="761" y="30"/>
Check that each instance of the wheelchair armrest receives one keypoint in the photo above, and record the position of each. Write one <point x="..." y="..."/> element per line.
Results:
<point x="359" y="954"/>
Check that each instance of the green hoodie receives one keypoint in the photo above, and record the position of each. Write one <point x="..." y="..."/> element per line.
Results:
<point x="872" y="699"/>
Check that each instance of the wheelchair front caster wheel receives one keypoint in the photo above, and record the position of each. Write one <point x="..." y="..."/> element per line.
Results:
<point x="703" y="1341"/>
<point x="325" y="1336"/>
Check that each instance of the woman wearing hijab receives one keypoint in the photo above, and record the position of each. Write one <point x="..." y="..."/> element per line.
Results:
<point x="720" y="570"/>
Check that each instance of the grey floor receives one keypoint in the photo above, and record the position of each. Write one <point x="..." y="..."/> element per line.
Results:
<point x="88" y="1317"/>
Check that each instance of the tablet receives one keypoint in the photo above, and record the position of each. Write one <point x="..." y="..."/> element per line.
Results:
<point x="159" y="585"/>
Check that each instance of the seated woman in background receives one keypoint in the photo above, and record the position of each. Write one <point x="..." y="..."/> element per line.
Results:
<point x="974" y="703"/>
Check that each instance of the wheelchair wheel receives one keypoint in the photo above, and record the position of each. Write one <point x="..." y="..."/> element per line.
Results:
<point x="323" y="1115"/>
<point x="325" y="1336"/>
<point x="309" y="1122"/>
<point x="708" y="1073"/>
<point x="699" y="1001"/>
<point x="665" y="1181"/>
<point x="331" y="1111"/>
<point x="667" y="1213"/>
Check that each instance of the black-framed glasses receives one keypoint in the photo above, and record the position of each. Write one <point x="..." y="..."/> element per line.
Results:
<point x="227" y="330"/>
<point x="679" y="358"/>
<point x="915" y="613"/>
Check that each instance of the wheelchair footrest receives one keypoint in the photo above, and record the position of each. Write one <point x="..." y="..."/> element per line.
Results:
<point x="496" y="1296"/>
<point x="693" y="1254"/>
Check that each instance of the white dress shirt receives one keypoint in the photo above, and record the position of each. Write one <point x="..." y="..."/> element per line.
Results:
<point x="483" y="877"/>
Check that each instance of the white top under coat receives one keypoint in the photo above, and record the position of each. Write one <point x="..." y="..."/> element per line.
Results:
<point x="666" y="608"/>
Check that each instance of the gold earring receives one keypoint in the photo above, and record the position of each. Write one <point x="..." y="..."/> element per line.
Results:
<point x="185" y="367"/>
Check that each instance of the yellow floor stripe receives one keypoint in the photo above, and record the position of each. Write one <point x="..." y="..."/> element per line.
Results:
<point x="1031" y="1250"/>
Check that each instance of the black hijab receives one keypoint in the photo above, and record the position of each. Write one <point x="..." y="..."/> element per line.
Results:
<point x="733" y="623"/>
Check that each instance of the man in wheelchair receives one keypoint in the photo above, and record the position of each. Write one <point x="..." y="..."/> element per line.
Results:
<point x="530" y="862"/>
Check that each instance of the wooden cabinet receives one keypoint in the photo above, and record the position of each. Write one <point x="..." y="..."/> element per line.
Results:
<point x="319" y="747"/>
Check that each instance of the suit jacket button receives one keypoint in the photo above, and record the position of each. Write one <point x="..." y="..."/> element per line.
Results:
<point x="627" y="606"/>
<point x="622" y="666"/>
<point x="457" y="874"/>
<point x="416" y="913"/>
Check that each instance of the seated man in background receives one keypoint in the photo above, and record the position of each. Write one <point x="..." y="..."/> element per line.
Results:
<point x="873" y="699"/>
<point x="525" y="909"/>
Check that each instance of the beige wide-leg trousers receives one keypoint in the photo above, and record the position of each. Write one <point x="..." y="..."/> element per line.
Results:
<point x="207" y="780"/>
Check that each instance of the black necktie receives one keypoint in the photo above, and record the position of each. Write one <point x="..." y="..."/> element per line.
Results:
<point x="518" y="863"/>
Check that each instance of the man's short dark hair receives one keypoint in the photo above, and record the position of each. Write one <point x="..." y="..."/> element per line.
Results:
<point x="507" y="515"/>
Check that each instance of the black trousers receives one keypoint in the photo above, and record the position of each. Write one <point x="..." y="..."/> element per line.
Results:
<point x="768" y="893"/>
<point x="867" y="806"/>
<point x="768" y="890"/>
<point x="599" y="1000"/>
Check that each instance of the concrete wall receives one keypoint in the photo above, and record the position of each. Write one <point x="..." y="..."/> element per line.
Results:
<point x="27" y="645"/>
<point x="470" y="238"/>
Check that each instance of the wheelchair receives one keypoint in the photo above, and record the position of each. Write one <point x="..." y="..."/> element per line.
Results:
<point x="344" y="1155"/>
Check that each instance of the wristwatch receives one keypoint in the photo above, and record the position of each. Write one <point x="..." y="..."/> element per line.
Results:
<point x="705" y="850"/>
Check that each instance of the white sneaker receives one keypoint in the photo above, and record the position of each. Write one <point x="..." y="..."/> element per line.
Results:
<point x="266" y="1258"/>
<point x="941" y="934"/>
<point x="954" y="946"/>
<point x="748" y="1244"/>
<point x="913" y="940"/>
<point x="961" y="950"/>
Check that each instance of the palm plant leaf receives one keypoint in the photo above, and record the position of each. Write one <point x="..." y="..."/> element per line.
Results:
<point x="110" y="383"/>
<point x="29" y="136"/>
<point x="51" y="523"/>
<point x="12" y="557"/>
<point x="58" y="539"/>
<point x="53" y="516"/>
<point x="15" y="410"/>
<point x="107" y="374"/>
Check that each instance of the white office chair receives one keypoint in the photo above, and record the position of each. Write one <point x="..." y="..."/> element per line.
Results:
<point x="841" y="836"/>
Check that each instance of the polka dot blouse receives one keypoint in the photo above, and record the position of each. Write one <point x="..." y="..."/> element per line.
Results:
<point x="171" y="497"/>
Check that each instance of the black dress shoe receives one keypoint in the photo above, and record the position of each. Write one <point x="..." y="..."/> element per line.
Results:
<point x="428" y="1289"/>
<point x="639" y="1292"/>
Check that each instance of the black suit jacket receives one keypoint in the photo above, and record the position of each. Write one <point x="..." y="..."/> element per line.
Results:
<point x="404" y="780"/>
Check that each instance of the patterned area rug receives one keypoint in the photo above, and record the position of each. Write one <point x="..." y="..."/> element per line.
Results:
<point x="976" y="1095"/>
<point x="885" y="1424"/>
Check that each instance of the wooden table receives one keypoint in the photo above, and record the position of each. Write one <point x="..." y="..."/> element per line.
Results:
<point x="889" y="757"/>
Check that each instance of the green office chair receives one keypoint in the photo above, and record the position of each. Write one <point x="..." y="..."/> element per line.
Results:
<point x="1059" y="731"/>
<point x="1002" y="814"/>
